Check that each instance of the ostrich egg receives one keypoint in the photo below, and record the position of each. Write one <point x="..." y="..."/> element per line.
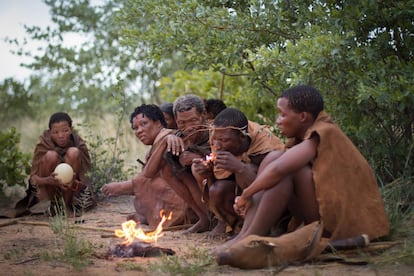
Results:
<point x="64" y="172"/>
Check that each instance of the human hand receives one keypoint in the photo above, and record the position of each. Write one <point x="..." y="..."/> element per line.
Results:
<point x="201" y="167"/>
<point x="53" y="180"/>
<point x="175" y="144"/>
<point x="227" y="161"/>
<point x="186" y="157"/>
<point x="109" y="189"/>
<point x="241" y="205"/>
<point x="75" y="186"/>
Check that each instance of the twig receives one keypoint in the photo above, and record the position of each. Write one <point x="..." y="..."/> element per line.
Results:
<point x="10" y="222"/>
<point x="41" y="223"/>
<point x="177" y="227"/>
<point x="372" y="247"/>
<point x="108" y="236"/>
<point x="26" y="260"/>
<point x="375" y="246"/>
<point x="221" y="86"/>
<point x="94" y="228"/>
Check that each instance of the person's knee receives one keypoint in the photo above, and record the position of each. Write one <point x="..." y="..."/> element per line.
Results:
<point x="221" y="190"/>
<point x="73" y="153"/>
<point x="216" y="189"/>
<point x="51" y="157"/>
<point x="304" y="173"/>
<point x="303" y="181"/>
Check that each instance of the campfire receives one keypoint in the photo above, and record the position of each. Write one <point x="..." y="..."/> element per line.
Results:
<point x="138" y="243"/>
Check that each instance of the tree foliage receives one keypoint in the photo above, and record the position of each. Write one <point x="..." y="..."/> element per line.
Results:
<point x="358" y="53"/>
<point x="15" y="102"/>
<point x="85" y="78"/>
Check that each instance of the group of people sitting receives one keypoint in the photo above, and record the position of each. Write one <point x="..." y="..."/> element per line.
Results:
<point x="225" y="174"/>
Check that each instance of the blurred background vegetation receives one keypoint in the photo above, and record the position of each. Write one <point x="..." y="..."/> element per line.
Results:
<point x="359" y="54"/>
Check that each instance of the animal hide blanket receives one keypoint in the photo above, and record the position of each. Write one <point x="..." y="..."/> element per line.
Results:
<point x="255" y="252"/>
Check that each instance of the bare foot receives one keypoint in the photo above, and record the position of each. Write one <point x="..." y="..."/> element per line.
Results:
<point x="199" y="227"/>
<point x="215" y="252"/>
<point x="69" y="213"/>
<point x="218" y="231"/>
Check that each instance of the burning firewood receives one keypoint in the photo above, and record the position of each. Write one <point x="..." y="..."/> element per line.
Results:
<point x="138" y="249"/>
<point x="142" y="248"/>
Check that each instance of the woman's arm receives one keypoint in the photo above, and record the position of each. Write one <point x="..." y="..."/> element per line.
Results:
<point x="154" y="161"/>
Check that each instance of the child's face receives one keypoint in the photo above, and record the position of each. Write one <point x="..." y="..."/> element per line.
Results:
<point x="60" y="133"/>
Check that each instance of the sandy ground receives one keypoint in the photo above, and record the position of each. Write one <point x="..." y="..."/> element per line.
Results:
<point x="25" y="243"/>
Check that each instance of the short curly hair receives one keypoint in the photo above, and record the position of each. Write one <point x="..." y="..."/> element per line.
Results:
<point x="233" y="118"/>
<point x="167" y="108"/>
<point x="60" y="117"/>
<point x="187" y="102"/>
<point x="214" y="106"/>
<point x="304" y="98"/>
<point x="152" y="111"/>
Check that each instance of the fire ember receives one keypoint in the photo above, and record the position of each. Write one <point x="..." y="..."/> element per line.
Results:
<point x="139" y="249"/>
<point x="210" y="158"/>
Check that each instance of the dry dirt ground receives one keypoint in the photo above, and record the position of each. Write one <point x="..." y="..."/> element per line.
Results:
<point x="25" y="243"/>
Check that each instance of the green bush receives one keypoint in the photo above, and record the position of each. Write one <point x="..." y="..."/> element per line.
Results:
<point x="399" y="203"/>
<point x="107" y="163"/>
<point x="14" y="164"/>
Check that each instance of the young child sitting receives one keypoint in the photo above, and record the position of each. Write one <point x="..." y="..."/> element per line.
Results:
<point x="61" y="144"/>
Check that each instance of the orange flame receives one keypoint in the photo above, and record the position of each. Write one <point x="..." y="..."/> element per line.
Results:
<point x="211" y="158"/>
<point x="129" y="231"/>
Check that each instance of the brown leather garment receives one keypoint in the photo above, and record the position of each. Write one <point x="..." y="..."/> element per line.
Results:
<point x="347" y="192"/>
<point x="255" y="252"/>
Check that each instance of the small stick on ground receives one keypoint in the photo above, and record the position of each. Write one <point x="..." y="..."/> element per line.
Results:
<point x="26" y="260"/>
<point x="108" y="236"/>
<point x="177" y="227"/>
<point x="38" y="223"/>
<point x="376" y="246"/>
<point x="7" y="223"/>
<point x="42" y="223"/>
<point x="84" y="227"/>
